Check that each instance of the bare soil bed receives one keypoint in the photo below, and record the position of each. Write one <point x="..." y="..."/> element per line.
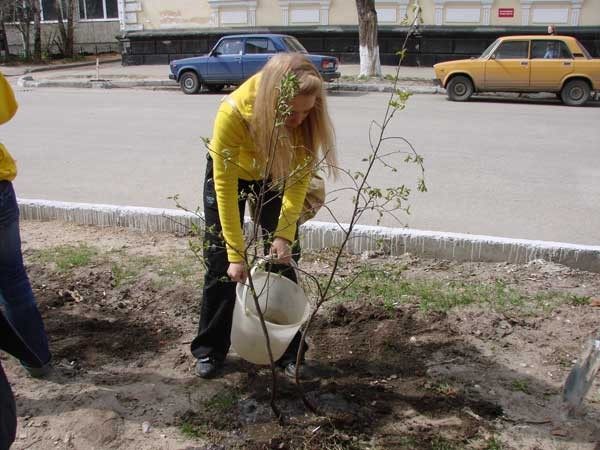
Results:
<point x="420" y="354"/>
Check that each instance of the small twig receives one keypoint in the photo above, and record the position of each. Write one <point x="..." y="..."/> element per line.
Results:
<point x="529" y="422"/>
<point x="441" y="362"/>
<point x="33" y="443"/>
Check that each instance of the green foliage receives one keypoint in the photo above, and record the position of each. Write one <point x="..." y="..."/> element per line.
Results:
<point x="441" y="443"/>
<point x="579" y="300"/>
<point x="520" y="385"/>
<point x="493" y="444"/>
<point x="223" y="401"/>
<point x="66" y="257"/>
<point x="192" y="431"/>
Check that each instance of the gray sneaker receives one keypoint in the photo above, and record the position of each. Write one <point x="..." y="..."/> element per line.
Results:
<point x="305" y="372"/>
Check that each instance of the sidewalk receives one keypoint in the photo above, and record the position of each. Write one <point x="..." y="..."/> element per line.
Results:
<point x="111" y="74"/>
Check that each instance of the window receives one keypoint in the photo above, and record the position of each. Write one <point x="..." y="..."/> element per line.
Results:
<point x="548" y="49"/>
<point x="513" y="50"/>
<point x="230" y="47"/>
<point x="259" y="45"/>
<point x="49" y="11"/>
<point x="98" y="9"/>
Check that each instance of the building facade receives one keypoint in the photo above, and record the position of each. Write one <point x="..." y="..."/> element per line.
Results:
<point x="150" y="27"/>
<point x="187" y="14"/>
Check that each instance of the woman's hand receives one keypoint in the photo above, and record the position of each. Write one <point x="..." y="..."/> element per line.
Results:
<point x="237" y="272"/>
<point x="281" y="251"/>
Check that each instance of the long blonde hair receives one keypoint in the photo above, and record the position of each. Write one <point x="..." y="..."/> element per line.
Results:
<point x="275" y="145"/>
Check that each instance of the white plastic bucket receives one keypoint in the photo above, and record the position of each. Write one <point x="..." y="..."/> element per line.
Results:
<point x="285" y="308"/>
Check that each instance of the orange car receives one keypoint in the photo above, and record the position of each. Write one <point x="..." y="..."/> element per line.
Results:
<point x="557" y="64"/>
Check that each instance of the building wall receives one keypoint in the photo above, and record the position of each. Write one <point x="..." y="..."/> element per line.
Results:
<point x="182" y="14"/>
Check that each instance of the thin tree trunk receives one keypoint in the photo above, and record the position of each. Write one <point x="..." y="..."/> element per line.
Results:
<point x="71" y="27"/>
<point x="66" y="32"/>
<point x="367" y="38"/>
<point x="3" y="37"/>
<point x="37" y="32"/>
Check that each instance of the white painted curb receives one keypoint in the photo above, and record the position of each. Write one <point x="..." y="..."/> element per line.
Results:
<point x="318" y="235"/>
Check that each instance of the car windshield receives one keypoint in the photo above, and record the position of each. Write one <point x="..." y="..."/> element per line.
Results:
<point x="294" y="45"/>
<point x="488" y="50"/>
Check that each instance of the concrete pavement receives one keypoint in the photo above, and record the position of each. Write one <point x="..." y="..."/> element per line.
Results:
<point x="111" y="74"/>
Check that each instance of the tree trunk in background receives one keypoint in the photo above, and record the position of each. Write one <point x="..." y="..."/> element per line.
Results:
<point x="367" y="38"/>
<point x="37" y="33"/>
<point x="3" y="37"/>
<point x="66" y="12"/>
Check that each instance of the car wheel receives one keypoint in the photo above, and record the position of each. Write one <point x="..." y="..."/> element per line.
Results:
<point x="189" y="83"/>
<point x="459" y="88"/>
<point x="575" y="93"/>
<point x="215" y="87"/>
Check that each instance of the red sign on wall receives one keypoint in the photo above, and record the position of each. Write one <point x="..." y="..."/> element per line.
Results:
<point x="506" y="12"/>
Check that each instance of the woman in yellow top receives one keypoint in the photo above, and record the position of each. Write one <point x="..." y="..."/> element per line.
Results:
<point x="249" y="155"/>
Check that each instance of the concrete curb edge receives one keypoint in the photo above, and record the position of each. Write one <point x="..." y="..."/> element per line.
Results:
<point x="28" y="81"/>
<point x="318" y="235"/>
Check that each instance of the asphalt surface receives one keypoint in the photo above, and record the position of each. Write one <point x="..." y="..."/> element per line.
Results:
<point x="494" y="166"/>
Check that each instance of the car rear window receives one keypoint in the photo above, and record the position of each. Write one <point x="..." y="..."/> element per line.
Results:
<point x="513" y="50"/>
<point x="584" y="50"/>
<point x="294" y="45"/>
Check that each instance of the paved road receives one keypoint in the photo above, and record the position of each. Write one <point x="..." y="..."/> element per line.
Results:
<point x="503" y="168"/>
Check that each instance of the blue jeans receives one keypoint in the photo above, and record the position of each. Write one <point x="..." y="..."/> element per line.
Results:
<point x="16" y="297"/>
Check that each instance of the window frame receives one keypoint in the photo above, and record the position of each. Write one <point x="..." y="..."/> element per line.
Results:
<point x="526" y="41"/>
<point x="104" y="12"/>
<point x="562" y="46"/>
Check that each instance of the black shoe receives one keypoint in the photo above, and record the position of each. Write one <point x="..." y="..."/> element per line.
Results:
<point x="38" y="372"/>
<point x="207" y="367"/>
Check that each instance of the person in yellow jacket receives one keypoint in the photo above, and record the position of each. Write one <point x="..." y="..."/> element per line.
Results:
<point x="249" y="155"/>
<point x="16" y="296"/>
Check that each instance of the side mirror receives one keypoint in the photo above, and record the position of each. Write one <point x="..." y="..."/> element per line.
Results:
<point x="493" y="56"/>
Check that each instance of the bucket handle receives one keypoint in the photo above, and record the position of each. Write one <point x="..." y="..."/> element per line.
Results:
<point x="253" y="270"/>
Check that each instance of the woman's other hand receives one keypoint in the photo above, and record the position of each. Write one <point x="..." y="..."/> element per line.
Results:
<point x="237" y="272"/>
<point x="281" y="250"/>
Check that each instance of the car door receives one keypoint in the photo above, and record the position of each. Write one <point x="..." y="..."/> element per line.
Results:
<point x="507" y="69"/>
<point x="257" y="51"/>
<point x="551" y="62"/>
<point x="225" y="61"/>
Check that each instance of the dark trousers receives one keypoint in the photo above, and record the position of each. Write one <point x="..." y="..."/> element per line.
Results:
<point x="11" y="343"/>
<point x="8" y="414"/>
<point x="218" y="295"/>
<point x="16" y="296"/>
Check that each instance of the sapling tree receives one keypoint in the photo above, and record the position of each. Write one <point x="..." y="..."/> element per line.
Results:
<point x="385" y="152"/>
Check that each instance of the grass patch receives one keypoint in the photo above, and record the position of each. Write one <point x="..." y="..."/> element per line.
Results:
<point x="66" y="257"/>
<point x="520" y="385"/>
<point x="493" y="444"/>
<point x="441" y="443"/>
<point x="386" y="287"/>
<point x="192" y="431"/>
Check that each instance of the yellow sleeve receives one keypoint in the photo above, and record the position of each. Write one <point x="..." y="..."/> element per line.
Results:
<point x="8" y="104"/>
<point x="293" y="199"/>
<point x="228" y="133"/>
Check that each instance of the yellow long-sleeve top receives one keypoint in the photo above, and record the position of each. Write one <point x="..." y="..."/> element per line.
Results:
<point x="8" y="108"/>
<point x="234" y="157"/>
